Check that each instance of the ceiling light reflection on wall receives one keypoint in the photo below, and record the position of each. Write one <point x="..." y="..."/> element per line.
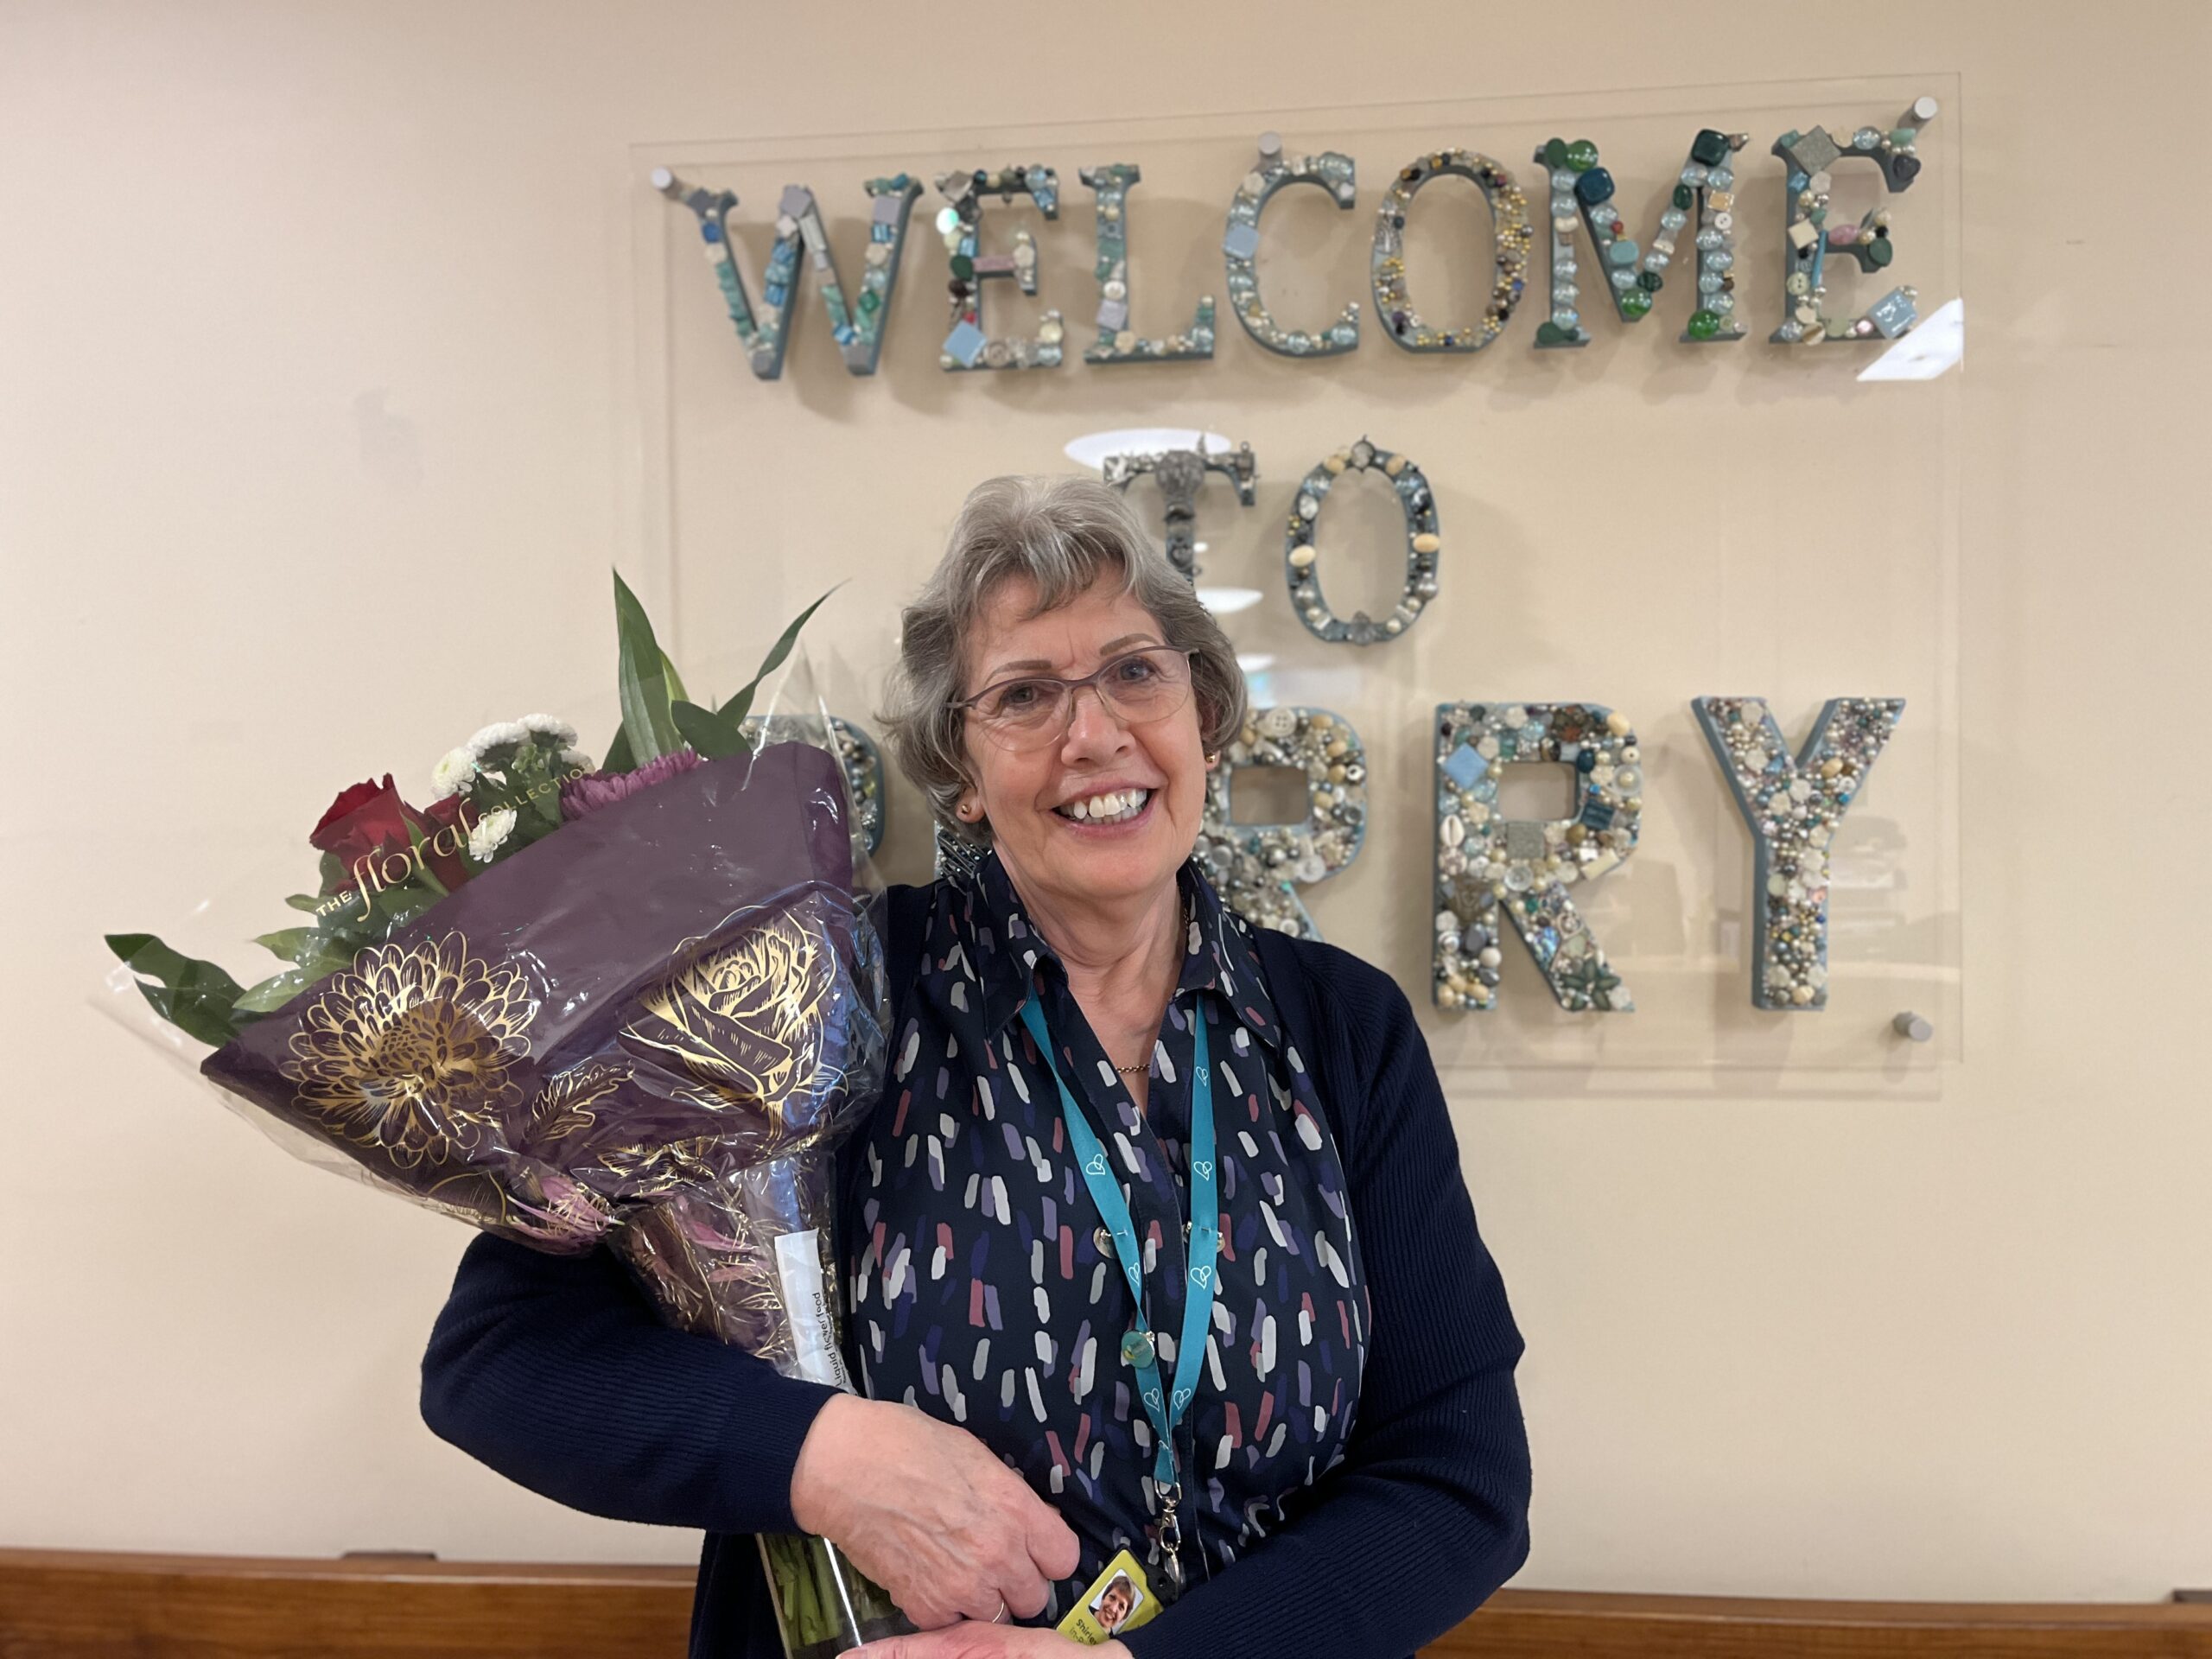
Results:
<point x="1930" y="350"/>
<point x="1227" y="601"/>
<point x="1091" y="449"/>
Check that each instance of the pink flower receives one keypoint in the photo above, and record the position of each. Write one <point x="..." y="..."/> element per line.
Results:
<point x="581" y="796"/>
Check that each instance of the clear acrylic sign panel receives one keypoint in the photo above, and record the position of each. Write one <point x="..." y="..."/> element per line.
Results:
<point x="1637" y="523"/>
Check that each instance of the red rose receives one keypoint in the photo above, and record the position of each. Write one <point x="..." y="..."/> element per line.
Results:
<point x="442" y="851"/>
<point x="368" y="819"/>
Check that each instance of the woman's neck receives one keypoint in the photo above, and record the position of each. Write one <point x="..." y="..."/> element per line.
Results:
<point x="1121" y="954"/>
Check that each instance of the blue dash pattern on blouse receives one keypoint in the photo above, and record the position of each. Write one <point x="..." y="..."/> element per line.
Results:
<point x="985" y="1291"/>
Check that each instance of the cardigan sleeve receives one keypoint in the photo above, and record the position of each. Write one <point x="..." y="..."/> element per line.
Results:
<point x="1427" y="1514"/>
<point x="557" y="1372"/>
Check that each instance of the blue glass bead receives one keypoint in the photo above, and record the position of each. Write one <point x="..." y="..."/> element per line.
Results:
<point x="1594" y="186"/>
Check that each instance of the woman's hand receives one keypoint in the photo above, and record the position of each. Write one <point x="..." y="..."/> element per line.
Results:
<point x="928" y="1513"/>
<point x="973" y="1641"/>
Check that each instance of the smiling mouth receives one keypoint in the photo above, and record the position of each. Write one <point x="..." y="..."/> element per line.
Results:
<point x="1116" y="806"/>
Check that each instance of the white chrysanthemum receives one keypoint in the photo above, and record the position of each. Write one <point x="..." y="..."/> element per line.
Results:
<point x="453" y="775"/>
<point x="551" y="725"/>
<point x="495" y="736"/>
<point x="490" y="834"/>
<point x="576" y="758"/>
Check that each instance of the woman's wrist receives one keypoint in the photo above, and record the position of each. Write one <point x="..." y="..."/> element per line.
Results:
<point x="816" y="1476"/>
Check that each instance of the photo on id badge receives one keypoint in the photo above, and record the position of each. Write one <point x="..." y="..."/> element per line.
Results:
<point x="1119" y="1600"/>
<point x="1113" y="1605"/>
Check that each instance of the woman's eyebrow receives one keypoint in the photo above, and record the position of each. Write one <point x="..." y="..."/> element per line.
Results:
<point x="1106" y="649"/>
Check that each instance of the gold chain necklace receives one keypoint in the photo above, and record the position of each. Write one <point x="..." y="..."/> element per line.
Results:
<point x="1182" y="930"/>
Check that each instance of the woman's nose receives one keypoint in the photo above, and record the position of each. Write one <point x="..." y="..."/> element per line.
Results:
<point x="1091" y="724"/>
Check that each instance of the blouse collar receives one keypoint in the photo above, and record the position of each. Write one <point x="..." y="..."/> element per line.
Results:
<point x="990" y="927"/>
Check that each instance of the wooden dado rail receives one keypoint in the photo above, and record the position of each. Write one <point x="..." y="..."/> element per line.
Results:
<point x="60" y="1604"/>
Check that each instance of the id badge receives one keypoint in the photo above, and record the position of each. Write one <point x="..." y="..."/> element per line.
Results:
<point x="1119" y="1600"/>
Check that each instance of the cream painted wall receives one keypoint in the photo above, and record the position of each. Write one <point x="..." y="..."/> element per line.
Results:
<point x="305" y="305"/>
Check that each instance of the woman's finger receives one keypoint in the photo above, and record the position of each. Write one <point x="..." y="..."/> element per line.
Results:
<point x="1024" y="1590"/>
<point x="1052" y="1542"/>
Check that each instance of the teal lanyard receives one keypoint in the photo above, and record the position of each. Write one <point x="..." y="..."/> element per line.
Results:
<point x="1139" y="1347"/>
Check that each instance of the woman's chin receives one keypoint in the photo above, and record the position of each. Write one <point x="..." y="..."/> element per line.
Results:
<point x="1113" y="858"/>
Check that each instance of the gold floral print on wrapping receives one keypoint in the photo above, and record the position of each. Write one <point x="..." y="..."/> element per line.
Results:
<point x="747" y="1021"/>
<point x="712" y="1267"/>
<point x="655" y="1171"/>
<point x="411" y="1048"/>
<point x="570" y="1102"/>
<point x="547" y="1208"/>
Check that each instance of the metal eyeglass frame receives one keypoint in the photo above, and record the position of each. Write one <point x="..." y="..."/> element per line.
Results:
<point x="1094" y="680"/>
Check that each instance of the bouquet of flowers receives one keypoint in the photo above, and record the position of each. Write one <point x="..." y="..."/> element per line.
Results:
<point x="636" y="1004"/>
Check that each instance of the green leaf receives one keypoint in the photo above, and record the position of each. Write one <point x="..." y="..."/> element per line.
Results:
<point x="294" y="945"/>
<point x="675" y="691"/>
<point x="708" y="732"/>
<point x="421" y="843"/>
<point x="642" y="679"/>
<point x="273" y="993"/>
<point x="197" y="997"/>
<point x="402" y="905"/>
<point x="306" y="901"/>
<point x="739" y="706"/>
<point x="535" y="793"/>
<point x="619" y="758"/>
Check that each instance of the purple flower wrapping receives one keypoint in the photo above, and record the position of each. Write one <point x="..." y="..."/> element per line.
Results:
<point x="652" y="1027"/>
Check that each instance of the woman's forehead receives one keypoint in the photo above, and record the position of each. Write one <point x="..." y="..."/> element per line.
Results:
<point x="1006" y="638"/>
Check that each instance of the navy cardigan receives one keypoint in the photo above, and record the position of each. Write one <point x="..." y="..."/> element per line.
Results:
<point x="556" y="1372"/>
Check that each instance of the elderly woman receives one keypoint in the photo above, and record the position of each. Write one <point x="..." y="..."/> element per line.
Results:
<point x="1157" y="1239"/>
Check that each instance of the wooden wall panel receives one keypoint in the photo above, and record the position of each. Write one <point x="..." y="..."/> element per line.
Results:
<point x="65" y="1604"/>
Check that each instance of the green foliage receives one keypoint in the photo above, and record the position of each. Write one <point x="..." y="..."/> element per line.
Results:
<point x="658" y="714"/>
<point x="197" y="997"/>
<point x="708" y="732"/>
<point x="641" y="676"/>
<point x="740" y="705"/>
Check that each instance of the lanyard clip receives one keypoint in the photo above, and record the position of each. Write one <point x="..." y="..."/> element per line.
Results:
<point x="1171" y="1534"/>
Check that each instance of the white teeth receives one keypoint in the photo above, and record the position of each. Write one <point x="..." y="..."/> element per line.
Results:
<point x="1117" y="805"/>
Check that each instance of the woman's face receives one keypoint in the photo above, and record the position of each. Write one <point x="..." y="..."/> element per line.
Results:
<point x="1114" y="1607"/>
<point x="1051" y="856"/>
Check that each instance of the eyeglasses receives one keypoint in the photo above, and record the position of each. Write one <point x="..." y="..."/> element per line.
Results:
<point x="1138" y="688"/>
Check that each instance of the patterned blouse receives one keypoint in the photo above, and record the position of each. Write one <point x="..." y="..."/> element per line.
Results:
<point x="986" y="1292"/>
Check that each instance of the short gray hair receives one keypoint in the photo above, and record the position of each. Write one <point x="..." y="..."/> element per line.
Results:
<point x="1061" y="533"/>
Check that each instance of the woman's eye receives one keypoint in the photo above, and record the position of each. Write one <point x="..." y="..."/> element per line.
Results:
<point x="1134" y="668"/>
<point x="1016" y="698"/>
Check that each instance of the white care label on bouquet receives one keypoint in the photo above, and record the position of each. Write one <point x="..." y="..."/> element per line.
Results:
<point x="806" y="1298"/>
